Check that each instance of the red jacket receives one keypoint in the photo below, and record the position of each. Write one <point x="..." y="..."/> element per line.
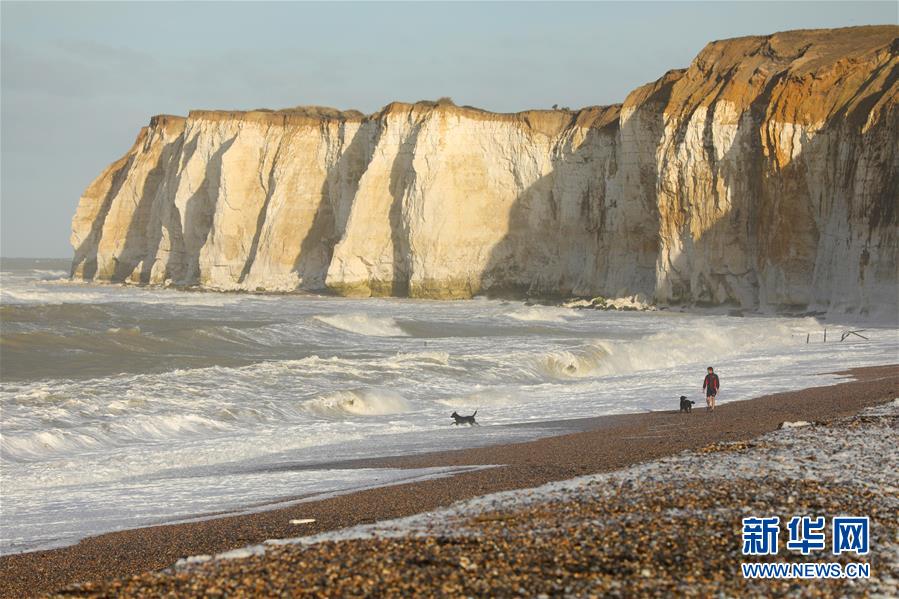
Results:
<point x="711" y="381"/>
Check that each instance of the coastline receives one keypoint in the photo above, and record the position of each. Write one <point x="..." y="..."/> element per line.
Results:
<point x="606" y="444"/>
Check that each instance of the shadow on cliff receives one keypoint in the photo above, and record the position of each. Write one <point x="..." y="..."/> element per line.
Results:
<point x="779" y="209"/>
<point x="170" y="221"/>
<point x="260" y="219"/>
<point x="141" y="240"/>
<point x="605" y="241"/>
<point x="771" y="223"/>
<point x="330" y="219"/>
<point x="86" y="252"/>
<point x="199" y="212"/>
<point x="402" y="176"/>
<point x="685" y="280"/>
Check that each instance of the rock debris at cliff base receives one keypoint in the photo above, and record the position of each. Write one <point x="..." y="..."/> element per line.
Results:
<point x="763" y="176"/>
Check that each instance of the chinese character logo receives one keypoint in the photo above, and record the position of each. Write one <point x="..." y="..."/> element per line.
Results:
<point x="850" y="535"/>
<point x="760" y="535"/>
<point x="806" y="534"/>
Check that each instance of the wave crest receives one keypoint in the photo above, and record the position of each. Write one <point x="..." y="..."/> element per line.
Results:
<point x="358" y="402"/>
<point x="544" y="314"/>
<point x="363" y="324"/>
<point x="575" y="363"/>
<point x="707" y="344"/>
<point x="123" y="430"/>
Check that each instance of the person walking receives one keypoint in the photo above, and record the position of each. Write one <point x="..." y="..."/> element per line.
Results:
<point x="710" y="385"/>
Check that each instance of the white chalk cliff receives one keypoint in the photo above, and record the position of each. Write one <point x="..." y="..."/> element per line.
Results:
<point x="766" y="175"/>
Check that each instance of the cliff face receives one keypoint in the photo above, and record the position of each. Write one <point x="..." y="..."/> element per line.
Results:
<point x="765" y="175"/>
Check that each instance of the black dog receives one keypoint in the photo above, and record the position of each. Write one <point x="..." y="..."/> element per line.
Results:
<point x="685" y="404"/>
<point x="469" y="420"/>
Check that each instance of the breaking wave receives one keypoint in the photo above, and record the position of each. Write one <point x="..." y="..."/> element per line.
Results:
<point x="667" y="349"/>
<point x="50" y="443"/>
<point x="363" y="324"/>
<point x="544" y="314"/>
<point x="358" y="402"/>
<point x="575" y="363"/>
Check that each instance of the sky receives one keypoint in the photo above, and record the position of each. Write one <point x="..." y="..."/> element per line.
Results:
<point x="78" y="80"/>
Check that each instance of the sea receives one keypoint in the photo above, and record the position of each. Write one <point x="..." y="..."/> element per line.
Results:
<point x="123" y="407"/>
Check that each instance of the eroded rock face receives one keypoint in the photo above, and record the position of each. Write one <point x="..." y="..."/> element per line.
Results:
<point x="764" y="175"/>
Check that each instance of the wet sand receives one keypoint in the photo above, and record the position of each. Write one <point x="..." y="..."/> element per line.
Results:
<point x="606" y="443"/>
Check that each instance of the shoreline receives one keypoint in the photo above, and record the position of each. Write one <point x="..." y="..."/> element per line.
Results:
<point x="667" y="527"/>
<point x="608" y="443"/>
